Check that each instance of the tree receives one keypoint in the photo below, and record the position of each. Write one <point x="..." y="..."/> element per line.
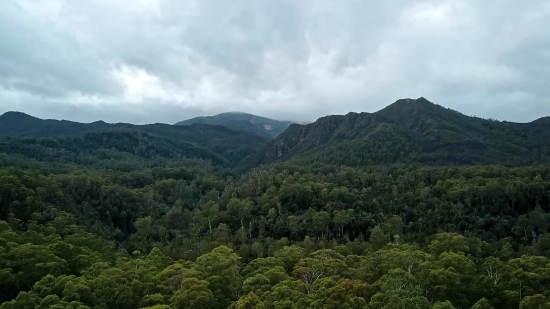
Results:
<point x="321" y="221"/>
<point x="448" y="242"/>
<point x="287" y="294"/>
<point x="537" y="301"/>
<point x="194" y="294"/>
<point x="319" y="264"/>
<point x="377" y="238"/>
<point x="144" y="227"/>
<point x="257" y="284"/>
<point x="289" y="256"/>
<point x="443" y="305"/>
<point x="399" y="289"/>
<point x="482" y="304"/>
<point x="220" y="268"/>
<point x="250" y="301"/>
<point x="392" y="226"/>
<point x="341" y="218"/>
<point x="344" y="293"/>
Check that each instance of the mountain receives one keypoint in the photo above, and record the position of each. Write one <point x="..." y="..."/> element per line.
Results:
<point x="232" y="145"/>
<point x="21" y="124"/>
<point x="115" y="144"/>
<point x="542" y="121"/>
<point x="265" y="127"/>
<point x="409" y="131"/>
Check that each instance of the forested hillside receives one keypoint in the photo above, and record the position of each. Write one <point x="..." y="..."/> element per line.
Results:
<point x="21" y="124"/>
<point x="232" y="145"/>
<point x="122" y="218"/>
<point x="410" y="131"/>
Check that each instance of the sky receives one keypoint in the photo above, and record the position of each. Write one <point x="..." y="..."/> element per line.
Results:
<point x="148" y="61"/>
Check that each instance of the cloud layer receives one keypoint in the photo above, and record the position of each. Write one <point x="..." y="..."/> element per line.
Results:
<point x="166" y="60"/>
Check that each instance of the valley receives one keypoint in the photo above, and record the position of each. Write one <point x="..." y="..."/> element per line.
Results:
<point x="412" y="206"/>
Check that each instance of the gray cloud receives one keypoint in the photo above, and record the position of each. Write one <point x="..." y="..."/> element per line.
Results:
<point x="41" y="58"/>
<point x="167" y="60"/>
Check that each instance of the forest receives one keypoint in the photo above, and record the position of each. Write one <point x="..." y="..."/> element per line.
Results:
<point x="128" y="219"/>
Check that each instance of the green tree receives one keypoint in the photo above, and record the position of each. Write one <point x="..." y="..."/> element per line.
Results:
<point x="249" y="301"/>
<point x="443" y="305"/>
<point x="289" y="256"/>
<point x="194" y="294"/>
<point x="220" y="268"/>
<point x="482" y="304"/>
<point x="537" y="301"/>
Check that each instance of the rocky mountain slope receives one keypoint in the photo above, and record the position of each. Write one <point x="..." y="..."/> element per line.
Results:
<point x="409" y="131"/>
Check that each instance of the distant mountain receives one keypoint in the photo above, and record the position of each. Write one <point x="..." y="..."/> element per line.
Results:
<point x="117" y="144"/>
<point x="231" y="145"/>
<point x="261" y="126"/>
<point x="409" y="131"/>
<point x="542" y="121"/>
<point x="21" y="124"/>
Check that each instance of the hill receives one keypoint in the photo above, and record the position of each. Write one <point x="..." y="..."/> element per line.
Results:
<point x="21" y="124"/>
<point x="265" y="127"/>
<point x="120" y="218"/>
<point x="117" y="144"/>
<point x="230" y="144"/>
<point x="409" y="131"/>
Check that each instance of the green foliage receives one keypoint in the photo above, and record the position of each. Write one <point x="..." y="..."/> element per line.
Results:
<point x="482" y="304"/>
<point x="126" y="219"/>
<point x="411" y="132"/>
<point x="207" y="140"/>
<point x="398" y="276"/>
<point x="193" y="294"/>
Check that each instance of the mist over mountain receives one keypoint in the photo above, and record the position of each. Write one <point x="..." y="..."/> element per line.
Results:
<point x="261" y="126"/>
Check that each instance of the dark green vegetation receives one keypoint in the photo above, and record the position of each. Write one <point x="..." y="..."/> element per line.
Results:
<point x="410" y="131"/>
<point x="265" y="127"/>
<point x="124" y="218"/>
<point x="206" y="140"/>
<point x="21" y="124"/>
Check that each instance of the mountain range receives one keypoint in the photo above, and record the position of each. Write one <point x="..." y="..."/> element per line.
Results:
<point x="261" y="126"/>
<point x="232" y="145"/>
<point x="407" y="131"/>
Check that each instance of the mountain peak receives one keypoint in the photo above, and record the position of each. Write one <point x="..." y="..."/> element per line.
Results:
<point x="239" y="121"/>
<point x="16" y="118"/>
<point x="416" y="130"/>
<point x="542" y="121"/>
<point x="11" y="114"/>
<point x="409" y="101"/>
<point x="403" y="110"/>
<point x="235" y="113"/>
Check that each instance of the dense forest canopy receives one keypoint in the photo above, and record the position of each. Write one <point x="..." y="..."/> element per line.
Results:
<point x="127" y="218"/>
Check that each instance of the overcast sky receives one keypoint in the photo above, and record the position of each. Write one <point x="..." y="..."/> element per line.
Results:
<point x="146" y="61"/>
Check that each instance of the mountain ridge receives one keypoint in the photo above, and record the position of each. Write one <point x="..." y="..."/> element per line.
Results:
<point x="240" y="121"/>
<point x="407" y="131"/>
<point x="230" y="144"/>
